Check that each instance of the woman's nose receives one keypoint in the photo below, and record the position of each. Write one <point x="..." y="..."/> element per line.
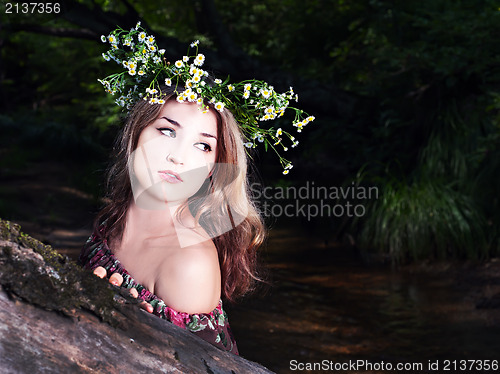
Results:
<point x="173" y="159"/>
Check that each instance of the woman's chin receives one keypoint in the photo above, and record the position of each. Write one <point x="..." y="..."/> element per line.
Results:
<point x="161" y="195"/>
<point x="157" y="198"/>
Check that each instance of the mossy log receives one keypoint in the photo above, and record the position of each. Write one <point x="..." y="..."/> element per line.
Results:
<point x="57" y="318"/>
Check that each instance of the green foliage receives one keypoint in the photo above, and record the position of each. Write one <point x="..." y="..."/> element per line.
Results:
<point x="424" y="219"/>
<point x="295" y="35"/>
<point x="434" y="67"/>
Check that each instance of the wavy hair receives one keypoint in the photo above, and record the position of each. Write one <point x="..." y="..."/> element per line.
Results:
<point x="225" y="194"/>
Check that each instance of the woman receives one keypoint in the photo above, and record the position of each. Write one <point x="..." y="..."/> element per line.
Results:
<point x="179" y="229"/>
<point x="147" y="236"/>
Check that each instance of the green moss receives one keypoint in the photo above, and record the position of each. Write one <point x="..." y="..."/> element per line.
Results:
<point x="59" y="285"/>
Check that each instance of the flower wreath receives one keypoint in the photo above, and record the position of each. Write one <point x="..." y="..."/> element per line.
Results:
<point x="250" y="101"/>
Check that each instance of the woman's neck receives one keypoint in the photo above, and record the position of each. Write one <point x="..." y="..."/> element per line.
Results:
<point x="162" y="224"/>
<point x="157" y="222"/>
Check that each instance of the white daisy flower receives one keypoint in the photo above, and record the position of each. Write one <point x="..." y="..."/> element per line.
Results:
<point x="150" y="39"/>
<point x="112" y="39"/>
<point x="218" y="81"/>
<point x="138" y="25"/>
<point x="131" y="71"/>
<point x="185" y="58"/>
<point x="179" y="64"/>
<point x="285" y="172"/>
<point x="168" y="82"/>
<point x="279" y="132"/>
<point x="265" y="93"/>
<point x="246" y="94"/>
<point x="195" y="43"/>
<point x="219" y="106"/>
<point x="248" y="87"/>
<point x="142" y="36"/>
<point x="230" y="87"/>
<point x="248" y="144"/>
<point x="199" y="60"/>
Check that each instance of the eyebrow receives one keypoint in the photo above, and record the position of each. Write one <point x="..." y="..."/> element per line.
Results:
<point x="177" y="124"/>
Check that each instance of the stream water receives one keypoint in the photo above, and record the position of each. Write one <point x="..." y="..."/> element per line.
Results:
<point x="327" y="303"/>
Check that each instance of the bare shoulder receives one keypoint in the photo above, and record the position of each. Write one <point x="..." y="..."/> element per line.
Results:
<point x="190" y="280"/>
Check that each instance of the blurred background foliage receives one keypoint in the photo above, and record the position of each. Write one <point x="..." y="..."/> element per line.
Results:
<point x="406" y="96"/>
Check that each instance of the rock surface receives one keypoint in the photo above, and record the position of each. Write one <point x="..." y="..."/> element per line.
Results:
<point x="55" y="317"/>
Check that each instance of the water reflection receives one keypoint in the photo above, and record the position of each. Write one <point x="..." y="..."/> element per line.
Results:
<point x="327" y="303"/>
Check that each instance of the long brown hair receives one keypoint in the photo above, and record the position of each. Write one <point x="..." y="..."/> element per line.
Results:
<point x="226" y="193"/>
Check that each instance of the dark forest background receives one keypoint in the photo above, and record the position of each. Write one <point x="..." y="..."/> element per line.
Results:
<point x="406" y="96"/>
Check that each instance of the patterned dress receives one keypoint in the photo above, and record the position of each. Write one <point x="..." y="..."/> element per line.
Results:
<point x="212" y="327"/>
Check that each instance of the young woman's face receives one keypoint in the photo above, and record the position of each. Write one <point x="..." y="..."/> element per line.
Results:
<point x="175" y="154"/>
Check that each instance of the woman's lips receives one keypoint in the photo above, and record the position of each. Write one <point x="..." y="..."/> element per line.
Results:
<point x="170" y="176"/>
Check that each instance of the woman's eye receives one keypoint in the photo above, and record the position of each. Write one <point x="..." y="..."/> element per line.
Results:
<point x="168" y="132"/>
<point x="203" y="146"/>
